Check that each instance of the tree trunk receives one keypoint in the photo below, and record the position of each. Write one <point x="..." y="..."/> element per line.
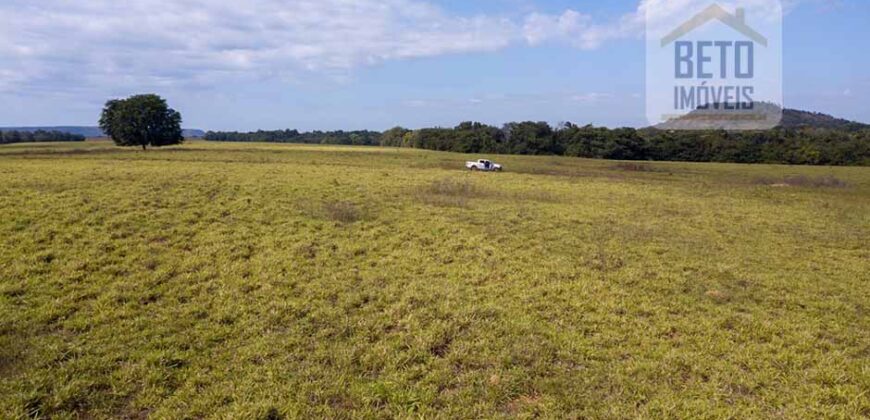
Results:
<point x="143" y="146"/>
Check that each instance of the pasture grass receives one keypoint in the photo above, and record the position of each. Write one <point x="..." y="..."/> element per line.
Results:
<point x="283" y="281"/>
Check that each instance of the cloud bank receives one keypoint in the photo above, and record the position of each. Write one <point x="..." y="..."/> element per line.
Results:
<point x="47" y="43"/>
<point x="50" y="45"/>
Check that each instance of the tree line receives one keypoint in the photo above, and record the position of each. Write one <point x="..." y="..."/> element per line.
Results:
<point x="147" y="120"/>
<point x="356" y="138"/>
<point x="16" y="136"/>
<point x="797" y="146"/>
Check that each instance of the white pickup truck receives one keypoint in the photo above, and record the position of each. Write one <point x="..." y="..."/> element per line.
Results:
<point x="483" y="165"/>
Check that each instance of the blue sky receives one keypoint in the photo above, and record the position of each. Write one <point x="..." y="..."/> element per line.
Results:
<point x="354" y="64"/>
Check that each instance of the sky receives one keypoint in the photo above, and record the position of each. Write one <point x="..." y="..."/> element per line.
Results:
<point x="375" y="64"/>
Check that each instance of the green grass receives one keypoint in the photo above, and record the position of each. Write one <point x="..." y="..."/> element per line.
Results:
<point x="254" y="280"/>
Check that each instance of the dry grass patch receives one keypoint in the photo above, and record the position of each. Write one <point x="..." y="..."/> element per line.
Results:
<point x="537" y="195"/>
<point x="450" y="192"/>
<point x="718" y="296"/>
<point x="634" y="167"/>
<point x="827" y="181"/>
<point x="448" y="186"/>
<point x="165" y="285"/>
<point x="343" y="212"/>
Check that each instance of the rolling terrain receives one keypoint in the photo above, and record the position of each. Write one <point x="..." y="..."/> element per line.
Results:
<point x="256" y="280"/>
<point x="789" y="119"/>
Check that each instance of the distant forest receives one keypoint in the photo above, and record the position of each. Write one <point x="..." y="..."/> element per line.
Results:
<point x="15" y="136"/>
<point x="357" y="138"/>
<point x="797" y="146"/>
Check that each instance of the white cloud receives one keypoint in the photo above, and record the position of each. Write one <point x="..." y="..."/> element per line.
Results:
<point x="540" y="27"/>
<point x="50" y="45"/>
<point x="592" y="97"/>
<point x="579" y="30"/>
<point x="155" y="42"/>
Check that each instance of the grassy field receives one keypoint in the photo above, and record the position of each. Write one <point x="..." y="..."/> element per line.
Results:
<point x="280" y="281"/>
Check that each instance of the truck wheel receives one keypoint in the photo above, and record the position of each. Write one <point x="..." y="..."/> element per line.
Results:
<point x="474" y="169"/>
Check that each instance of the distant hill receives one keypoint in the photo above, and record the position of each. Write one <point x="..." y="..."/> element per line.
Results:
<point x="791" y="118"/>
<point x="90" y="132"/>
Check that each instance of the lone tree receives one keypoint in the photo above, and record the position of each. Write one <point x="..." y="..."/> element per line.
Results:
<point x="141" y="120"/>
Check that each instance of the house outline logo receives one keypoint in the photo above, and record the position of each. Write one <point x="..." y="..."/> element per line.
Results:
<point x="736" y="21"/>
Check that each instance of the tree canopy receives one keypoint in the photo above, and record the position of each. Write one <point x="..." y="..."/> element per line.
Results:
<point x="141" y="120"/>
